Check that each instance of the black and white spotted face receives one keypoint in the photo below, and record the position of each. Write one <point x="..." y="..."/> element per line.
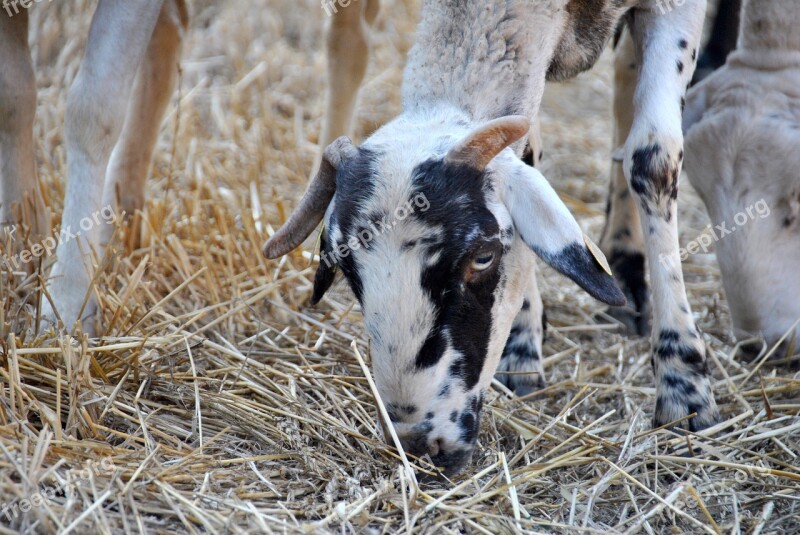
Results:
<point x="431" y="251"/>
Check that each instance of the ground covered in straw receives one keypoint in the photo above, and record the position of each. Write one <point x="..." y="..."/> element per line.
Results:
<point x="217" y="400"/>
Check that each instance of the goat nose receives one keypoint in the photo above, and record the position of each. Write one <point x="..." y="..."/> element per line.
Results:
<point x="449" y="457"/>
<point x="419" y="444"/>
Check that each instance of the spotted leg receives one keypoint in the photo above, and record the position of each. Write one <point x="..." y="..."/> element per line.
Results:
<point x="520" y="366"/>
<point x="622" y="240"/>
<point x="667" y="47"/>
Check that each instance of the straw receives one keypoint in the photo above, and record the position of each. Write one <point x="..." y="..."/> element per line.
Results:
<point x="219" y="401"/>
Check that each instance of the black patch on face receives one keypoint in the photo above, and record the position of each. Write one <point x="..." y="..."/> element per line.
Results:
<point x="454" y="416"/>
<point x="468" y="425"/>
<point x="432" y="350"/>
<point x="526" y="304"/>
<point x="456" y="194"/>
<point x="469" y="421"/>
<point x="397" y="413"/>
<point x="355" y="184"/>
<point x="683" y="43"/>
<point x="476" y="402"/>
<point x="422" y="429"/>
<point x="444" y="391"/>
<point x="451" y="462"/>
<point x="428" y="415"/>
<point x="680" y="67"/>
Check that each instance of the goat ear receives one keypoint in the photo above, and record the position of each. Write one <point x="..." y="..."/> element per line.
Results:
<point x="326" y="271"/>
<point x="546" y="226"/>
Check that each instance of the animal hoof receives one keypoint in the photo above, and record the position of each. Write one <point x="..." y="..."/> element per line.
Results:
<point x="531" y="385"/>
<point x="68" y="316"/>
<point x="633" y="323"/>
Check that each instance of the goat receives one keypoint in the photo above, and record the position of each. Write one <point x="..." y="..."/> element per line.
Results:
<point x="114" y="111"/>
<point x="448" y="291"/>
<point x="743" y="130"/>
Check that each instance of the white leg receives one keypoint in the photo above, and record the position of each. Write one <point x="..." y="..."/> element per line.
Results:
<point x="130" y="161"/>
<point x="96" y="106"/>
<point x="667" y="45"/>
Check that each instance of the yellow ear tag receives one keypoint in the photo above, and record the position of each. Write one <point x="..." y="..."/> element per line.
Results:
<point x="598" y="255"/>
<point x="318" y="245"/>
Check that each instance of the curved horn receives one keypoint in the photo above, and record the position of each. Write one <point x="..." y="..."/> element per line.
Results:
<point x="311" y="209"/>
<point x="485" y="142"/>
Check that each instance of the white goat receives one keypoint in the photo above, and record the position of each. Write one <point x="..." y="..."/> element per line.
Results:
<point x="441" y="288"/>
<point x="743" y="134"/>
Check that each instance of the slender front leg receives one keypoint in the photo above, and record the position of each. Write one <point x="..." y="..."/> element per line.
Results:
<point x="130" y="161"/>
<point x="622" y="240"/>
<point x="667" y="46"/>
<point x="96" y="106"/>
<point x="20" y="199"/>
<point x="520" y="366"/>
<point x="348" y="54"/>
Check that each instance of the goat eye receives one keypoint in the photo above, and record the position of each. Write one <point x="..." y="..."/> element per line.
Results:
<point x="483" y="262"/>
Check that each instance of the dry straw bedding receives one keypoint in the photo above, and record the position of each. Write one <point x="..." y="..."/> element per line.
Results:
<point x="217" y="400"/>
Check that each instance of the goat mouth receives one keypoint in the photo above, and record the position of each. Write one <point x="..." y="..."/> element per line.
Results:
<point x="449" y="465"/>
